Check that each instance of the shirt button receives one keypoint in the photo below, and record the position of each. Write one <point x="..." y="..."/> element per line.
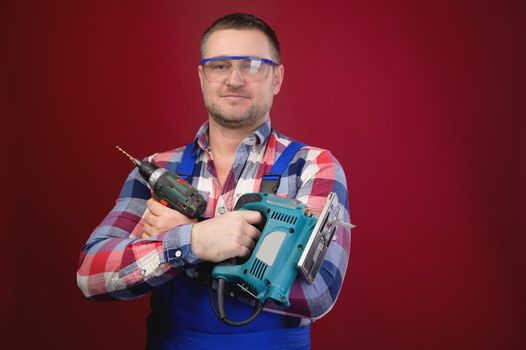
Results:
<point x="178" y="253"/>
<point x="222" y="210"/>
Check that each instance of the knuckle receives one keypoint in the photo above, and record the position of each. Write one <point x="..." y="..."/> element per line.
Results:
<point x="240" y="225"/>
<point x="243" y="251"/>
<point x="149" y="230"/>
<point x="149" y="218"/>
<point x="240" y="239"/>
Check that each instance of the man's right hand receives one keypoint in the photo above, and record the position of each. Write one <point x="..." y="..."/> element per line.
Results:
<point x="227" y="236"/>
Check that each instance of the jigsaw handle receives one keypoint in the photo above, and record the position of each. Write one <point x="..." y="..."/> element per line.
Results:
<point x="242" y="201"/>
<point x="248" y="198"/>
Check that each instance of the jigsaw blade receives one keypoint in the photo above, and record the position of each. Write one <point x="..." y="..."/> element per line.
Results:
<point x="320" y="239"/>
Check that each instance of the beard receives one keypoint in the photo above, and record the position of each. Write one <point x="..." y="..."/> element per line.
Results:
<point x="250" y="118"/>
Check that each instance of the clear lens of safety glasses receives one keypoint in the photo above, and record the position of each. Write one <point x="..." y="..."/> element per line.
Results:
<point x="250" y="69"/>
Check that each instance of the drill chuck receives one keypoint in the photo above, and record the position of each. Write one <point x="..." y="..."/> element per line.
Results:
<point x="150" y="172"/>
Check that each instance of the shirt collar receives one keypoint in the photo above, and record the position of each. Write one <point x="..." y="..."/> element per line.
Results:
<point x="258" y="138"/>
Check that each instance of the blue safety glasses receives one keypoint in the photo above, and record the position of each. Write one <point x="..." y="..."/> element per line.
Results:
<point x="249" y="68"/>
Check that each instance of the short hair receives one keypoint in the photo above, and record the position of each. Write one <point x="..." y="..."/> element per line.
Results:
<point x="243" y="21"/>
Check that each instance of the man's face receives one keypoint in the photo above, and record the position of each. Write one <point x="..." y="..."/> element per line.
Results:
<point x="235" y="103"/>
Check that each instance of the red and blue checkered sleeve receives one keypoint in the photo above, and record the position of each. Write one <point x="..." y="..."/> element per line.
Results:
<point x="321" y="174"/>
<point x="115" y="264"/>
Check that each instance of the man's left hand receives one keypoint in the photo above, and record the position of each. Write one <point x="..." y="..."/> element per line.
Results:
<point x="159" y="219"/>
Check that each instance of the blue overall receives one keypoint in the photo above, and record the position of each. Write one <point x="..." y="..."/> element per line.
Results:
<point x="182" y="318"/>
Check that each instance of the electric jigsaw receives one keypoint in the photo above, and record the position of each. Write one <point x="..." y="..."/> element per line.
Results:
<point x="292" y="240"/>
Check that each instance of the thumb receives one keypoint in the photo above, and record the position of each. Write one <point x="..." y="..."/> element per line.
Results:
<point x="252" y="217"/>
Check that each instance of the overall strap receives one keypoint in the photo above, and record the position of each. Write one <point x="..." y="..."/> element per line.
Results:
<point x="270" y="181"/>
<point x="185" y="169"/>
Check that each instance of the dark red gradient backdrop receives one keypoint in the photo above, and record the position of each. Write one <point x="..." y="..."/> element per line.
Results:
<point x="422" y="102"/>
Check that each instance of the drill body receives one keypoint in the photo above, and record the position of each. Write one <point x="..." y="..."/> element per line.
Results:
<point x="172" y="191"/>
<point x="169" y="189"/>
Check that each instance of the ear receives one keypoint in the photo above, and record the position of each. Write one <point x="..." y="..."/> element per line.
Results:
<point x="277" y="78"/>
<point x="201" y="75"/>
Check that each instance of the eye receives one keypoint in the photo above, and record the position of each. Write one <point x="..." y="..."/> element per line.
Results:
<point x="219" y="65"/>
<point x="245" y="65"/>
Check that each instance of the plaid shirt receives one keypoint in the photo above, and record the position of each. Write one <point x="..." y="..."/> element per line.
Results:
<point x="114" y="264"/>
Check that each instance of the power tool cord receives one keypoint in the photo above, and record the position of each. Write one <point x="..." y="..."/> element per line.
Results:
<point x="220" y="311"/>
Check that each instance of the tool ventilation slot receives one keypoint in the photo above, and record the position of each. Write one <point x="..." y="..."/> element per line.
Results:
<point x="288" y="219"/>
<point x="258" y="269"/>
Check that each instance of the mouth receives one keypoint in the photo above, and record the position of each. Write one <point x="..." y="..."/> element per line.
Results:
<point x="234" y="96"/>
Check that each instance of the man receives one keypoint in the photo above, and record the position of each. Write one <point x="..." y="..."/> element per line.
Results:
<point x="142" y="246"/>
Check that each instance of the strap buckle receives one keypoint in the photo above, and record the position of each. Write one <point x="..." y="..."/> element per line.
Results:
<point x="270" y="183"/>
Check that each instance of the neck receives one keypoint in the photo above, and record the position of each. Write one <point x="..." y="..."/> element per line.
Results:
<point x="224" y="141"/>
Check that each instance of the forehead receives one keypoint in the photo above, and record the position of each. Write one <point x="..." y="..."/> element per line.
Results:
<point x="237" y="42"/>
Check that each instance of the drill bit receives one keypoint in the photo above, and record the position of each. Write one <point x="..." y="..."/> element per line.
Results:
<point x="134" y="160"/>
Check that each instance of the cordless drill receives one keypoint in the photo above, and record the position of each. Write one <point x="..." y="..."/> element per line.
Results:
<point x="169" y="189"/>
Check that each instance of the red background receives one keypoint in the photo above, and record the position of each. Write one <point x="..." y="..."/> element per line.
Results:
<point x="423" y="104"/>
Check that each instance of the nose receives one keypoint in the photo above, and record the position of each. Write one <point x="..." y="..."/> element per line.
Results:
<point x="235" y="78"/>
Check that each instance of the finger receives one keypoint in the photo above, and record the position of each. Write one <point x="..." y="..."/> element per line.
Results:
<point x="247" y="242"/>
<point x="155" y="208"/>
<point x="252" y="217"/>
<point x="149" y="203"/>
<point x="150" y="230"/>
<point x="243" y="252"/>
<point x="251" y="231"/>
<point x="145" y="236"/>
<point x="150" y="219"/>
